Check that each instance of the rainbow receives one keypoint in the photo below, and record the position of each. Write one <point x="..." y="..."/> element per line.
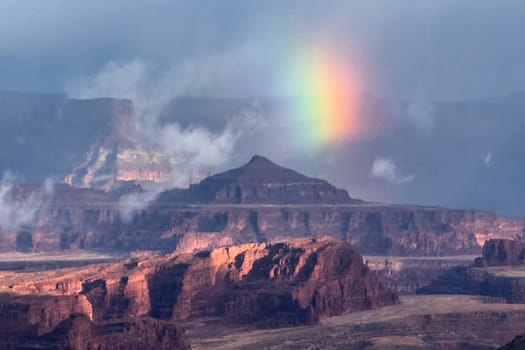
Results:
<point x="323" y="107"/>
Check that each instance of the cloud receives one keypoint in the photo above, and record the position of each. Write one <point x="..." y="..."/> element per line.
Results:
<point x="488" y="159"/>
<point x="406" y="44"/>
<point x="129" y="204"/>
<point x="387" y="169"/>
<point x="18" y="206"/>
<point x="421" y="114"/>
<point x="113" y="80"/>
<point x="195" y="151"/>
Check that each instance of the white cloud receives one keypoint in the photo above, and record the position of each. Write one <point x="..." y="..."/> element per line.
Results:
<point x="421" y="114"/>
<point x="488" y="159"/>
<point x="387" y="169"/>
<point x="194" y="151"/>
<point x="113" y="80"/>
<point x="18" y="208"/>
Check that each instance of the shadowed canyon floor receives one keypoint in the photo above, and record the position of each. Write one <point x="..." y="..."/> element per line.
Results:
<point x="418" y="322"/>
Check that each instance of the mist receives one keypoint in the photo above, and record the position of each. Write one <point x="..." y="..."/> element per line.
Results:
<point x="18" y="208"/>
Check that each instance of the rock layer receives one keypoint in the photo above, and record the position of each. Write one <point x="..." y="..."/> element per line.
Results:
<point x="517" y="343"/>
<point x="259" y="202"/>
<point x="494" y="274"/>
<point x="502" y="252"/>
<point x="281" y="283"/>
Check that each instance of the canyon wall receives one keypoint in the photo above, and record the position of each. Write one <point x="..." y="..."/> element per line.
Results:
<point x="136" y="303"/>
<point x="288" y="283"/>
<point x="87" y="143"/>
<point x="497" y="274"/>
<point x="87" y="219"/>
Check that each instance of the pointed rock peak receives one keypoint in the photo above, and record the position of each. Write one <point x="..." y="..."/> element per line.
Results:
<point x="261" y="162"/>
<point x="258" y="170"/>
<point x="261" y="181"/>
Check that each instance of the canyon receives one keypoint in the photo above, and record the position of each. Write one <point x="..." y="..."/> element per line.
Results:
<point x="499" y="272"/>
<point x="258" y="202"/>
<point x="142" y="300"/>
<point x="112" y="256"/>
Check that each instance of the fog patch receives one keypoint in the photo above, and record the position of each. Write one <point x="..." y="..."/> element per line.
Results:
<point x="387" y="169"/>
<point x="19" y="204"/>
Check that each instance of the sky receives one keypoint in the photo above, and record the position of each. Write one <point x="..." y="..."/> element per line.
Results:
<point x="450" y="49"/>
<point x="410" y="53"/>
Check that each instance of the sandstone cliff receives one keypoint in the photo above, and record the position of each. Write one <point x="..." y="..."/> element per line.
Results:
<point x="288" y="283"/>
<point x="259" y="202"/>
<point x="502" y="252"/>
<point x="88" y="143"/>
<point x="129" y="304"/>
<point x="494" y="274"/>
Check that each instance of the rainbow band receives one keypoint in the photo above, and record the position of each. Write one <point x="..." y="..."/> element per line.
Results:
<point x="324" y="107"/>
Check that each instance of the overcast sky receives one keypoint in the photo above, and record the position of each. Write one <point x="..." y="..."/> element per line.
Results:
<point x="405" y="48"/>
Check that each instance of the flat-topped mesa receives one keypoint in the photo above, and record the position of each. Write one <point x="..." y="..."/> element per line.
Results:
<point x="498" y="273"/>
<point x="281" y="283"/>
<point x="100" y="145"/>
<point x="260" y="181"/>
<point x="266" y="284"/>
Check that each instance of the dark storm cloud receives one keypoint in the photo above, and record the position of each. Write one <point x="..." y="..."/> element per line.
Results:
<point x="415" y="49"/>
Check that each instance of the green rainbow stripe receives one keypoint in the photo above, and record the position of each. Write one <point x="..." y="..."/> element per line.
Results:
<point x="323" y="106"/>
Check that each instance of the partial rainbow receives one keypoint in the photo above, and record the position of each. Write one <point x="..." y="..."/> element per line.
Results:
<point x="323" y="103"/>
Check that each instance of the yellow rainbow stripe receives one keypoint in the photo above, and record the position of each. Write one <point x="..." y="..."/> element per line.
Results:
<point x="324" y="105"/>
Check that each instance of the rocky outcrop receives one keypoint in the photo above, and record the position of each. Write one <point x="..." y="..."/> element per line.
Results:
<point x="502" y="252"/>
<point x="259" y="202"/>
<point x="406" y="275"/>
<point x="263" y="284"/>
<point x="517" y="343"/>
<point x="134" y="304"/>
<point x="78" y="332"/>
<point x="260" y="181"/>
<point x="281" y="283"/>
<point x="99" y="146"/>
<point x="494" y="274"/>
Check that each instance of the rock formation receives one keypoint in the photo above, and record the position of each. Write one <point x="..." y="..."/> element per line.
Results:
<point x="494" y="274"/>
<point x="43" y="322"/>
<point x="502" y="252"/>
<point x="101" y="147"/>
<point x="129" y="304"/>
<point x="259" y="202"/>
<point x="88" y="143"/>
<point x="517" y="343"/>
<point x="260" y="181"/>
<point x="308" y="278"/>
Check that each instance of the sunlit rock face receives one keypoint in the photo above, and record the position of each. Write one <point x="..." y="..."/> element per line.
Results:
<point x="121" y="154"/>
<point x="87" y="143"/>
<point x="137" y="303"/>
<point x="288" y="283"/>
